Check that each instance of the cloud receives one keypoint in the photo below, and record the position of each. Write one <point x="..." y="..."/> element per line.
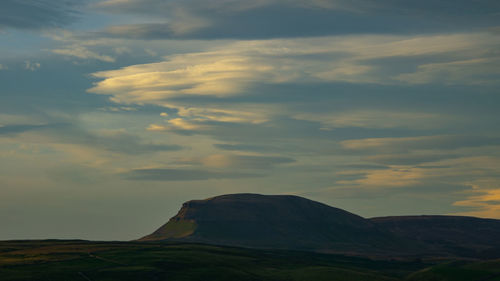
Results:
<point x="437" y="198"/>
<point x="183" y="175"/>
<point x="21" y="128"/>
<point x="294" y="18"/>
<point x="486" y="203"/>
<point x="210" y="73"/>
<point x="446" y="142"/>
<point x="69" y="133"/>
<point x="32" y="66"/>
<point x="234" y="69"/>
<point x="409" y="159"/>
<point x="215" y="166"/>
<point x="470" y="171"/>
<point x="196" y="118"/>
<point x="113" y="141"/>
<point x="82" y="52"/>
<point x="246" y="147"/>
<point x="238" y="161"/>
<point x="362" y="167"/>
<point x="375" y="119"/>
<point x="196" y="84"/>
<point x="178" y="125"/>
<point x="477" y="71"/>
<point x="77" y="45"/>
<point x="38" y="14"/>
<point x="395" y="177"/>
<point x="193" y="120"/>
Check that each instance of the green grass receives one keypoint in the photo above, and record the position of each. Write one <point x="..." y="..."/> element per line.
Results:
<point x="460" y="271"/>
<point x="102" y="261"/>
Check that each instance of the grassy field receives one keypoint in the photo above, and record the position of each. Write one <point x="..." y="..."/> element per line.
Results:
<point x="82" y="260"/>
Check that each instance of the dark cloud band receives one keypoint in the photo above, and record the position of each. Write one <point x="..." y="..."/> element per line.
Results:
<point x="197" y="19"/>
<point x="183" y="175"/>
<point x="37" y="14"/>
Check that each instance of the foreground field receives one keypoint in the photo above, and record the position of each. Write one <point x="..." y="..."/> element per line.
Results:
<point x="82" y="260"/>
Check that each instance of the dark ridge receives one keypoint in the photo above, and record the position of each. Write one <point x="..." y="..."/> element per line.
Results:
<point x="458" y="235"/>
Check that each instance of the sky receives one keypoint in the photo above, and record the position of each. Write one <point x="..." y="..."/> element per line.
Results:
<point x="115" y="112"/>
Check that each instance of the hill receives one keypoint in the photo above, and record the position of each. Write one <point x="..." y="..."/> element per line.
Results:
<point x="270" y="221"/>
<point x="271" y="229"/>
<point x="292" y="222"/>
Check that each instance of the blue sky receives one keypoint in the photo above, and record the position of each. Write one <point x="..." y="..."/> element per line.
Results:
<point x="113" y="113"/>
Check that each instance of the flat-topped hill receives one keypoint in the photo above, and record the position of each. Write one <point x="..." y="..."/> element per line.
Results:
<point x="292" y="222"/>
<point x="276" y="221"/>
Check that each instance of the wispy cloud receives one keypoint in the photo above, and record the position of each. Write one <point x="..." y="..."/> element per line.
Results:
<point x="82" y="52"/>
<point x="375" y="119"/>
<point x="485" y="203"/>
<point x="447" y="142"/>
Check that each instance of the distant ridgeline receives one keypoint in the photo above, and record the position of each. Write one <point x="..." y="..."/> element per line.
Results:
<point x="292" y="222"/>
